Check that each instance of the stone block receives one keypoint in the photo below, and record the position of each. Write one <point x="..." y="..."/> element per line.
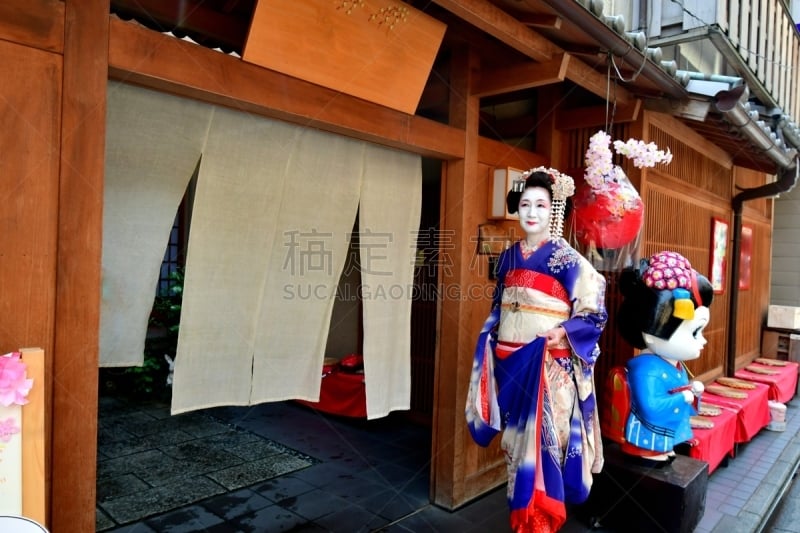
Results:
<point x="635" y="495"/>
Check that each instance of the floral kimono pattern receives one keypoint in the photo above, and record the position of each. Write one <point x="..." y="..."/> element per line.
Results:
<point x="542" y="400"/>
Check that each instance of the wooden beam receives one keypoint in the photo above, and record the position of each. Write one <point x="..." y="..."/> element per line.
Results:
<point x="551" y="22"/>
<point x="512" y="128"/>
<point x="590" y="117"/>
<point x="34" y="23"/>
<point x="692" y="109"/>
<point x="78" y="259"/>
<point x="518" y="36"/>
<point x="501" y="25"/>
<point x="523" y="76"/>
<point x="145" y="57"/>
<point x="597" y="83"/>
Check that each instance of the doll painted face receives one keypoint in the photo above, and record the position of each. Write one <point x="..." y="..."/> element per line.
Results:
<point x="686" y="343"/>
<point x="534" y="211"/>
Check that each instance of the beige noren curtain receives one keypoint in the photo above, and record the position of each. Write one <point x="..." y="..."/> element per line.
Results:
<point x="267" y="193"/>
<point x="273" y="210"/>
<point x="153" y="144"/>
<point x="391" y="195"/>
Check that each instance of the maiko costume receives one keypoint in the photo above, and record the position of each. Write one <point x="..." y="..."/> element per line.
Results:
<point x="664" y="312"/>
<point x="659" y="418"/>
<point x="541" y="399"/>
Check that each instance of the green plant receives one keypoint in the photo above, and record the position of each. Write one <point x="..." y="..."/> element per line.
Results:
<point x="166" y="313"/>
<point x="143" y="379"/>
<point x="151" y="379"/>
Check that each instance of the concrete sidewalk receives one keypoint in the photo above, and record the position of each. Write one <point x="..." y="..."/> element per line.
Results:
<point x="746" y="495"/>
<point x="743" y="496"/>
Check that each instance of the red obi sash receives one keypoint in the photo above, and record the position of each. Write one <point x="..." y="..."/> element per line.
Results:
<point x="520" y="277"/>
<point x="504" y="349"/>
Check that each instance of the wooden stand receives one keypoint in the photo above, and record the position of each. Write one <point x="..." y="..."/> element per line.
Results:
<point x="34" y="452"/>
<point x="631" y="495"/>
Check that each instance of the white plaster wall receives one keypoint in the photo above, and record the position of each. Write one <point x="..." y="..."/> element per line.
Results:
<point x="785" y="286"/>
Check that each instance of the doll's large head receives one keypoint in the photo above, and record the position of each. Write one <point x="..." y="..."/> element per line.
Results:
<point x="665" y="306"/>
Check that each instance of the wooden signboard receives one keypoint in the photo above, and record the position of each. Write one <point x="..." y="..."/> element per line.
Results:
<point x="10" y="459"/>
<point x="378" y="50"/>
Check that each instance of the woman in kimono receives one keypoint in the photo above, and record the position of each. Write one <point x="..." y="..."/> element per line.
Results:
<point x="532" y="375"/>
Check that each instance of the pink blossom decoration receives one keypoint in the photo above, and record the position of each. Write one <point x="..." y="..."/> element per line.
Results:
<point x="598" y="159"/>
<point x="14" y="385"/>
<point x="600" y="170"/>
<point x="643" y="154"/>
<point x="8" y="428"/>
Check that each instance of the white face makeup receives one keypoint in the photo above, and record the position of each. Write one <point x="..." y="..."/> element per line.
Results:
<point x="534" y="214"/>
<point x="686" y="343"/>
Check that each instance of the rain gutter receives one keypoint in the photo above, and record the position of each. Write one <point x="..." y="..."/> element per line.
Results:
<point x="729" y="103"/>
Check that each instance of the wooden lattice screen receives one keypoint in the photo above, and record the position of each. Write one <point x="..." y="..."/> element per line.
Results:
<point x="681" y="199"/>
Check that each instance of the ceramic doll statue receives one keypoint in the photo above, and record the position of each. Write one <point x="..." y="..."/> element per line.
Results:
<point x="664" y="312"/>
<point x="533" y="373"/>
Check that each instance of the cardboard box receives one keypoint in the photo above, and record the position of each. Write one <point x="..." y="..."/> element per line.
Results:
<point x="784" y="317"/>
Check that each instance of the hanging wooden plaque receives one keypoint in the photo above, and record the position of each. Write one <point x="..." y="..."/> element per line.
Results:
<point x="378" y="50"/>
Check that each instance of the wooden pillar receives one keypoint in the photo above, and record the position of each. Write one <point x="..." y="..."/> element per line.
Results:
<point x="78" y="256"/>
<point x="460" y="184"/>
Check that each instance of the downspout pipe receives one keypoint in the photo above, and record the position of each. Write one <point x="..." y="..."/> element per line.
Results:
<point x="785" y="183"/>
<point x="729" y="103"/>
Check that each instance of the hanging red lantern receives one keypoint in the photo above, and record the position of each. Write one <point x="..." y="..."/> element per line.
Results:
<point x="608" y="217"/>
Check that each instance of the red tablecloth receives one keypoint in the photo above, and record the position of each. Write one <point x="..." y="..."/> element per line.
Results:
<point x="715" y="444"/>
<point x="341" y="393"/>
<point x="752" y="412"/>
<point x="782" y="386"/>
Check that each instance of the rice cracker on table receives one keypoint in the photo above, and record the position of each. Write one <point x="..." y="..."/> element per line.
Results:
<point x="700" y="422"/>
<point x="706" y="409"/>
<point x="736" y="383"/>
<point x="771" y="362"/>
<point x="726" y="392"/>
<point x="758" y="369"/>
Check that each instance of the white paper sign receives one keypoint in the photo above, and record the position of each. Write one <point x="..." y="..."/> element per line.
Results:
<point x="11" y="460"/>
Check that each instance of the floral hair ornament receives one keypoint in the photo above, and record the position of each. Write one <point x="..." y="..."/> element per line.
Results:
<point x="671" y="271"/>
<point x="563" y="186"/>
<point x="14" y="384"/>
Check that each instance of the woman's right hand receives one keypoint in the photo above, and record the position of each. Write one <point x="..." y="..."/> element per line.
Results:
<point x="556" y="337"/>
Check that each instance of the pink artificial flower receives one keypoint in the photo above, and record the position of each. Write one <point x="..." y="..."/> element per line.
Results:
<point x="8" y="429"/>
<point x="600" y="169"/>
<point x="14" y="386"/>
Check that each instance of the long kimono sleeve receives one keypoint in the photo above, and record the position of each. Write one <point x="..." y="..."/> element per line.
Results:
<point x="588" y="316"/>
<point x="503" y="266"/>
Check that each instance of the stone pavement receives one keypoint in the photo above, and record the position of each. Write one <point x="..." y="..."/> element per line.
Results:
<point x="743" y="496"/>
<point x="150" y="462"/>
<point x="372" y="476"/>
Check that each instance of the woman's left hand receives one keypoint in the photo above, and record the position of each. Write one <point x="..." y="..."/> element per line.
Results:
<point x="556" y="337"/>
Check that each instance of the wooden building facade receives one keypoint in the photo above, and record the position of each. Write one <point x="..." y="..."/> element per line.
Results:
<point x="58" y="56"/>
